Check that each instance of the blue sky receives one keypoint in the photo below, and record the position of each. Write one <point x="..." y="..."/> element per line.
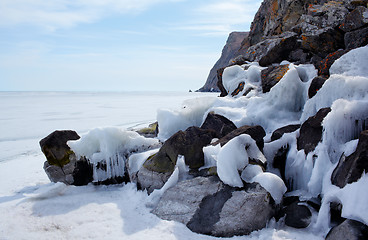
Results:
<point x="115" y="45"/>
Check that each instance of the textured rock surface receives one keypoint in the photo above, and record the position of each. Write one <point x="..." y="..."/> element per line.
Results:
<point x="208" y="206"/>
<point x="229" y="51"/>
<point x="151" y="180"/>
<point x="349" y="229"/>
<point x="355" y="19"/>
<point x="311" y="131"/>
<point x="350" y="168"/>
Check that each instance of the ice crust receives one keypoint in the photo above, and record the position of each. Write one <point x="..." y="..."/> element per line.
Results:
<point x="109" y="146"/>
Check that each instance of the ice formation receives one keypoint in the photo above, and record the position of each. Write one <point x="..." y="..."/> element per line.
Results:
<point x="108" y="148"/>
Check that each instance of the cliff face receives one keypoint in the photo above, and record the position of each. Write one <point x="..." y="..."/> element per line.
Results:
<point x="300" y="31"/>
<point x="229" y="51"/>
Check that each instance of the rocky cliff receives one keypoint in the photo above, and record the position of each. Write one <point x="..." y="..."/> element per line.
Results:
<point x="302" y="31"/>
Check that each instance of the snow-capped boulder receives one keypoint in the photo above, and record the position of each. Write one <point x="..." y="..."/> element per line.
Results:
<point x="62" y="164"/>
<point x="311" y="131"/>
<point x="349" y="229"/>
<point x="256" y="132"/>
<point x="208" y="206"/>
<point x="220" y="124"/>
<point x="351" y="168"/>
<point x="278" y="133"/>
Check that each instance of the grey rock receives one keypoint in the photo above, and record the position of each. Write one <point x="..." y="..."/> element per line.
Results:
<point x="356" y="19"/>
<point x="150" y="180"/>
<point x="208" y="206"/>
<point x="349" y="229"/>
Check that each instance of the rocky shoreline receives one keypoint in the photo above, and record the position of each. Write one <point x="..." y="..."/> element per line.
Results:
<point x="286" y="142"/>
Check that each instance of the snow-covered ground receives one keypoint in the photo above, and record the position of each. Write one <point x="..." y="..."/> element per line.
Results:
<point x="33" y="208"/>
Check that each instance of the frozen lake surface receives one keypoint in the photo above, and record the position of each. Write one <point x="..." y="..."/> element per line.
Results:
<point x="33" y="208"/>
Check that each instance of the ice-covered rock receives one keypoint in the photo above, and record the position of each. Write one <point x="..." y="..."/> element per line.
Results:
<point x="107" y="150"/>
<point x="207" y="206"/>
<point x="298" y="215"/>
<point x="272" y="75"/>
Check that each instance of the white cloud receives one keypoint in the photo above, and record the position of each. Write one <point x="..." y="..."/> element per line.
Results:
<point x="54" y="14"/>
<point x="220" y="18"/>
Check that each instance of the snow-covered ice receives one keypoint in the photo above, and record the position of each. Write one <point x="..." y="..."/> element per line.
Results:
<point x="33" y="208"/>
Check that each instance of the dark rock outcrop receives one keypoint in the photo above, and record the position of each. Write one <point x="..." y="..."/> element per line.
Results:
<point x="324" y="65"/>
<point x="220" y="124"/>
<point x="61" y="164"/>
<point x="349" y="229"/>
<point x="311" y="131"/>
<point x="208" y="206"/>
<point x="355" y="19"/>
<point x="351" y="168"/>
<point x="229" y="51"/>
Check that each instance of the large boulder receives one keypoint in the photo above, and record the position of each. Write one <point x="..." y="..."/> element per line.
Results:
<point x="351" y="168"/>
<point x="220" y="124"/>
<point x="62" y="164"/>
<point x="208" y="206"/>
<point x="324" y="65"/>
<point x="256" y="132"/>
<point x="189" y="143"/>
<point x="272" y="75"/>
<point x="311" y="131"/>
<point x="349" y="229"/>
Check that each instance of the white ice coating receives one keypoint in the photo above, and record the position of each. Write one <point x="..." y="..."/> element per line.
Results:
<point x="109" y="147"/>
